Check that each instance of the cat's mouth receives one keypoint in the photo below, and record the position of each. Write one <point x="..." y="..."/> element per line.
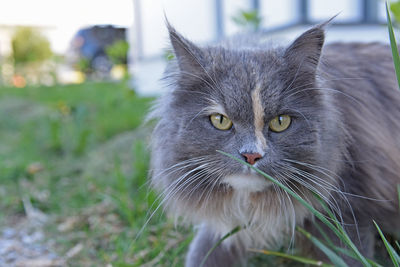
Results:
<point x="250" y="182"/>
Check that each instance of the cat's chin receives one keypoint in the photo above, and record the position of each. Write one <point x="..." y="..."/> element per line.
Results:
<point x="249" y="182"/>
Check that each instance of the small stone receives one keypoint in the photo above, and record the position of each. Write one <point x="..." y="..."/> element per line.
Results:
<point x="6" y="246"/>
<point x="34" y="237"/>
<point x="11" y="256"/>
<point x="9" y="233"/>
<point x="38" y="249"/>
<point x="52" y="256"/>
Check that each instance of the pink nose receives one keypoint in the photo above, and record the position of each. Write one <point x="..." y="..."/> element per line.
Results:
<point x="252" y="157"/>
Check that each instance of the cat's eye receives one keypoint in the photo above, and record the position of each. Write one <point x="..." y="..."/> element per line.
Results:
<point x="280" y="123"/>
<point x="220" y="122"/>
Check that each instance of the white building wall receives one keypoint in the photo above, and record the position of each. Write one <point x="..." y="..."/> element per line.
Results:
<point x="197" y="21"/>
<point x="191" y="18"/>
<point x="349" y="11"/>
<point x="278" y="13"/>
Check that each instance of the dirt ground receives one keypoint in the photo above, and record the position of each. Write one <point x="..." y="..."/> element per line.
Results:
<point x="24" y="242"/>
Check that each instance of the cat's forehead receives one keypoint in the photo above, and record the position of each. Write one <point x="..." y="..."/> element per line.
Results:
<point x="240" y="104"/>
<point x="242" y="73"/>
<point x="244" y="61"/>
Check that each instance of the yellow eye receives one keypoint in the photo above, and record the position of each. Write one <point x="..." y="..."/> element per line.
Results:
<point x="221" y="122"/>
<point x="280" y="123"/>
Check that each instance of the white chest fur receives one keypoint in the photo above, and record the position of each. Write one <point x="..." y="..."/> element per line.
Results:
<point x="250" y="182"/>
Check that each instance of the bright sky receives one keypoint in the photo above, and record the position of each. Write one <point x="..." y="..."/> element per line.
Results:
<point x="65" y="17"/>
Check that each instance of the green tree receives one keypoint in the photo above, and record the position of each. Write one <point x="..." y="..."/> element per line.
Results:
<point x="118" y="52"/>
<point x="29" y="45"/>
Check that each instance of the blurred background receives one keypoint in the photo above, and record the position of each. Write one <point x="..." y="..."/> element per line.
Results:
<point x="76" y="81"/>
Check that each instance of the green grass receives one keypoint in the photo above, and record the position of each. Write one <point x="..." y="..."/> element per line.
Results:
<point x="89" y="149"/>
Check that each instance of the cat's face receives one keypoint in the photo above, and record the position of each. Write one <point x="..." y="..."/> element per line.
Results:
<point x="260" y="105"/>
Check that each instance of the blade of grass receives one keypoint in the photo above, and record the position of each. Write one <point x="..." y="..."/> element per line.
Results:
<point x="291" y="257"/>
<point x="328" y="240"/>
<point x="392" y="253"/>
<point x="323" y="234"/>
<point x="333" y="257"/>
<point x="353" y="252"/>
<point x="316" y="213"/>
<point x="234" y="231"/>
<point x="350" y="253"/>
<point x="343" y="251"/>
<point x="330" y="243"/>
<point x="398" y="191"/>
<point x="393" y="45"/>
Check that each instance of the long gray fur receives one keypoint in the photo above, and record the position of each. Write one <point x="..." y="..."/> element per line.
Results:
<point x="344" y="140"/>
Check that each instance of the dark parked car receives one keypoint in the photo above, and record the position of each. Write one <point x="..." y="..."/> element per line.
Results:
<point x="89" y="47"/>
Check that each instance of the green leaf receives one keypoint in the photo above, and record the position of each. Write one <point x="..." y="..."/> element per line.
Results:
<point x="395" y="9"/>
<point x="393" y="45"/>
<point x="392" y="253"/>
<point x="117" y="52"/>
<point x="234" y="231"/>
<point x="291" y="257"/>
<point x="248" y="19"/>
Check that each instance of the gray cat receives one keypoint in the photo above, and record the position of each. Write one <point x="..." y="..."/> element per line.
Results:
<point x="317" y="118"/>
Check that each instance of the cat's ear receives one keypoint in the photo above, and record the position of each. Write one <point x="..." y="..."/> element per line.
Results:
<point x="305" y="51"/>
<point x="187" y="54"/>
